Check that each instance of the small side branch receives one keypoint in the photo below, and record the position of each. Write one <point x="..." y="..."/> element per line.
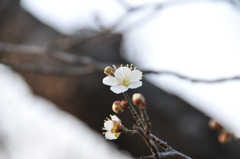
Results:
<point x="128" y="131"/>
<point x="164" y="155"/>
<point x="161" y="143"/>
<point x="150" y="143"/>
<point x="169" y="150"/>
<point x="145" y="119"/>
<point x="133" y="111"/>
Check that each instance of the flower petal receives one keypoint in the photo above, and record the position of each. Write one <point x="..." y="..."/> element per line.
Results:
<point x="110" y="81"/>
<point x="108" y="125"/>
<point x="135" y="85"/>
<point x="119" y="89"/>
<point x="122" y="72"/>
<point x="135" y="76"/>
<point x="110" y="136"/>
<point x="115" y="118"/>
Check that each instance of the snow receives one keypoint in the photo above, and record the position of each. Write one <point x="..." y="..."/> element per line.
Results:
<point x="32" y="127"/>
<point x="70" y="15"/>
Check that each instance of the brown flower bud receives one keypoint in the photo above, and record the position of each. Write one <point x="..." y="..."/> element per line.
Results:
<point x="224" y="137"/>
<point x="118" y="106"/>
<point x="213" y="124"/>
<point x="138" y="100"/>
<point x="124" y="103"/>
<point x="109" y="71"/>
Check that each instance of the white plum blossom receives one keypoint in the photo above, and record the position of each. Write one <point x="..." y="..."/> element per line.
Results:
<point x="112" y="127"/>
<point x="123" y="78"/>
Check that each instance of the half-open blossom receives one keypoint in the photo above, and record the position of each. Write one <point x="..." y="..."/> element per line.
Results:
<point x="123" y="78"/>
<point x="112" y="127"/>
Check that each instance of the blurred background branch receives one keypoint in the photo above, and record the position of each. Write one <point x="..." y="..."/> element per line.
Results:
<point x="76" y="65"/>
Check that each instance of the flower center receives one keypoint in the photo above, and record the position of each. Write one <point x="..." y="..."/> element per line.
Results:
<point x="114" y="129"/>
<point x="125" y="82"/>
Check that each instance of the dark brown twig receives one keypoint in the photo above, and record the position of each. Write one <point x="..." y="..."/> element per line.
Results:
<point x="128" y="131"/>
<point x="169" y="151"/>
<point x="161" y="143"/>
<point x="150" y="143"/>
<point x="145" y="119"/>
<point x="133" y="111"/>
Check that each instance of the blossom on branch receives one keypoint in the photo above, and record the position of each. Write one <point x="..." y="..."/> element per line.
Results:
<point x="113" y="127"/>
<point x="123" y="78"/>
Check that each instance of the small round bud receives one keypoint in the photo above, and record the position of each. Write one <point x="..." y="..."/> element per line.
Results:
<point x="213" y="124"/>
<point x="118" y="107"/>
<point x="224" y="137"/>
<point x="109" y="71"/>
<point x="138" y="100"/>
<point x="124" y="103"/>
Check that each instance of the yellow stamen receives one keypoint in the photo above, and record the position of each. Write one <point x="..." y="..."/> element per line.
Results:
<point x="114" y="67"/>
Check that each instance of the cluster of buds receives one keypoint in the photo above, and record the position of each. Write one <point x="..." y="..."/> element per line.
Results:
<point x="224" y="136"/>
<point x="119" y="106"/>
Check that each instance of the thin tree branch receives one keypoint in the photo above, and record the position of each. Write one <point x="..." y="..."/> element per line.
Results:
<point x="150" y="143"/>
<point x="133" y="111"/>
<point x="169" y="150"/>
<point x="161" y="143"/>
<point x="173" y="153"/>
<point x="191" y="79"/>
<point x="145" y="119"/>
<point x="85" y="62"/>
<point x="9" y="49"/>
<point x="51" y="70"/>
